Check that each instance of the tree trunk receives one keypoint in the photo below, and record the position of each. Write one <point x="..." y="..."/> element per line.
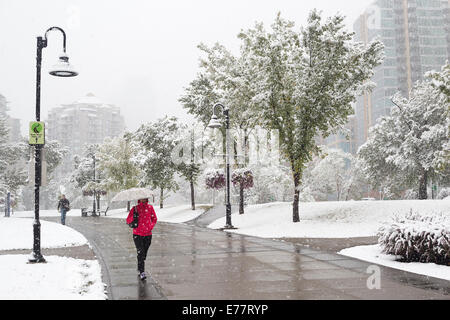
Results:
<point x="161" y="199"/>
<point x="295" y="214"/>
<point x="423" y="181"/>
<point x="98" y="201"/>
<point x="241" y="199"/>
<point x="192" y="194"/>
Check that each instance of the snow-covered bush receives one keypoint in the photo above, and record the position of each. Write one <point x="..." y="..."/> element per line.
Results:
<point x="417" y="238"/>
<point x="306" y="195"/>
<point x="444" y="193"/>
<point x="410" y="194"/>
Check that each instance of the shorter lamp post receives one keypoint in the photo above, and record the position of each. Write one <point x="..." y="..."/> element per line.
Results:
<point x="215" y="124"/>
<point x="94" y="192"/>
<point x="61" y="69"/>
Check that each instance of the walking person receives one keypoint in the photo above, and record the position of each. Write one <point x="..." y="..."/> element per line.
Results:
<point x="142" y="235"/>
<point x="63" y="208"/>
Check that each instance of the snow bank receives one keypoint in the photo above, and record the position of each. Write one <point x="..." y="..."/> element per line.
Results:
<point x="46" y="213"/>
<point x="61" y="278"/>
<point x="325" y="219"/>
<point x="374" y="254"/>
<point x="17" y="233"/>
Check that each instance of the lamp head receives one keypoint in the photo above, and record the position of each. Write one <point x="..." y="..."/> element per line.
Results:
<point x="63" y="68"/>
<point x="214" y="123"/>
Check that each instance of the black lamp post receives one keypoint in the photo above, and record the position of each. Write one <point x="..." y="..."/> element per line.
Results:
<point x="61" y="69"/>
<point x="94" y="192"/>
<point x="215" y="124"/>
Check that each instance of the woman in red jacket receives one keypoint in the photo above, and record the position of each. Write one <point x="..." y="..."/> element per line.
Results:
<point x="142" y="235"/>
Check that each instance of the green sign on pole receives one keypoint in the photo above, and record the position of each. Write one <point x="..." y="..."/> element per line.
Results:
<point x="37" y="133"/>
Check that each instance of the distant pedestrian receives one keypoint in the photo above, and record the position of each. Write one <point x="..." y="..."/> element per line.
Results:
<point x="142" y="235"/>
<point x="63" y="208"/>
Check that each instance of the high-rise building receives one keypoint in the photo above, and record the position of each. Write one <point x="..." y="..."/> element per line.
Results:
<point x="86" y="121"/>
<point x="13" y="124"/>
<point x="344" y="139"/>
<point x="416" y="38"/>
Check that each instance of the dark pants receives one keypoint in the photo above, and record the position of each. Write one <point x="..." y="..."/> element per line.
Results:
<point x="142" y="245"/>
<point x="63" y="216"/>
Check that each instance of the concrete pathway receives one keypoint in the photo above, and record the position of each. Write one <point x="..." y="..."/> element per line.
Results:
<point x="190" y="262"/>
<point x="211" y="215"/>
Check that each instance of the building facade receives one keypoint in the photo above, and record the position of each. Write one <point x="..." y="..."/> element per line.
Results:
<point x="86" y="121"/>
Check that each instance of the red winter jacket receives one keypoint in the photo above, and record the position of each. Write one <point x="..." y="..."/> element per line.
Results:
<point x="147" y="219"/>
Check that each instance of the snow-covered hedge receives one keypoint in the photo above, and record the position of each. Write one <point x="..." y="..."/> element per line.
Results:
<point x="417" y="238"/>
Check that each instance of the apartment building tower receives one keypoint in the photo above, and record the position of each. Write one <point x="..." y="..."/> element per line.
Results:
<point x="86" y="121"/>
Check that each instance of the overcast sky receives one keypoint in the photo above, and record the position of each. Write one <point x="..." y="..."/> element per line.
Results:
<point x="136" y="54"/>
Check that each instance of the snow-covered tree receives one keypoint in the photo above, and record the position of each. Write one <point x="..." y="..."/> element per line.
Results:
<point x="84" y="166"/>
<point x="157" y="141"/>
<point x="115" y="161"/>
<point x="305" y="82"/>
<point x="335" y="172"/>
<point x="411" y="145"/>
<point x="13" y="173"/>
<point x="53" y="153"/>
<point x="190" y="167"/>
<point x="299" y="83"/>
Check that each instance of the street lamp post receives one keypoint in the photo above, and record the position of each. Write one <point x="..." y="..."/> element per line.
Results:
<point x="60" y="69"/>
<point x="94" y="213"/>
<point x="214" y="124"/>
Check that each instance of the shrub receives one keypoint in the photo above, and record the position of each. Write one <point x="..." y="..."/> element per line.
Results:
<point x="411" y="194"/>
<point x="444" y="193"/>
<point x="417" y="238"/>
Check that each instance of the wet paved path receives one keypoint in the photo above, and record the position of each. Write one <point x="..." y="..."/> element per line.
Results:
<point x="190" y="262"/>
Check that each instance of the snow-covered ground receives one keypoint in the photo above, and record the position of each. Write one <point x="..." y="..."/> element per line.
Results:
<point x="17" y="233"/>
<point x="68" y="278"/>
<point x="60" y="277"/>
<point x="344" y="219"/>
<point x="373" y="254"/>
<point x="338" y="220"/>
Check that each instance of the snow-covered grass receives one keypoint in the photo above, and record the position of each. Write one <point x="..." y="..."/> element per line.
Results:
<point x="171" y="213"/>
<point x="373" y="254"/>
<point x="331" y="219"/>
<point x="17" y="233"/>
<point x="60" y="277"/>
<point x="46" y="213"/>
